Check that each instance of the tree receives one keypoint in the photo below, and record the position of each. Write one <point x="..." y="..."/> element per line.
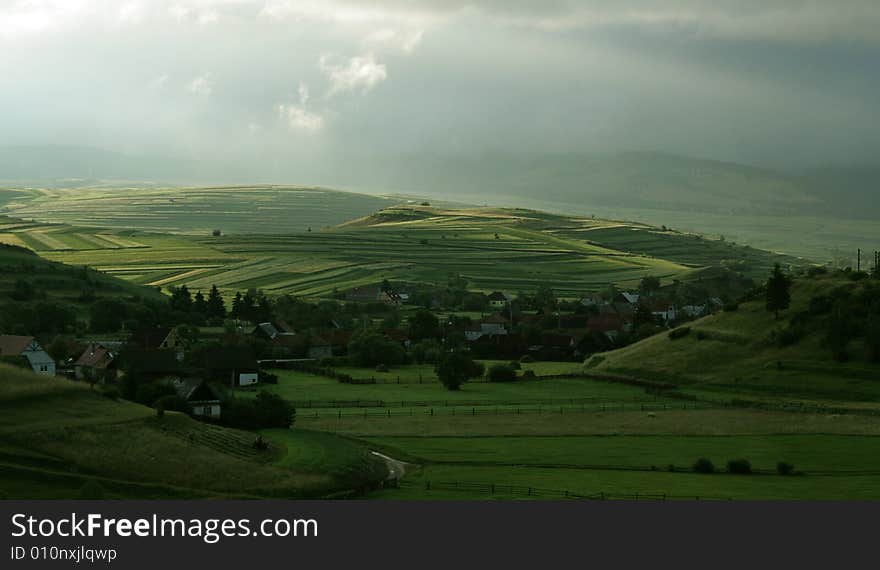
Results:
<point x="455" y="368"/>
<point x="237" y="305"/>
<point x="200" y="304"/>
<point x="423" y="324"/>
<point x="181" y="299"/>
<point x="216" y="307"/>
<point x="107" y="315"/>
<point x="649" y="285"/>
<point x="502" y="373"/>
<point x="778" y="291"/>
<point x="369" y="348"/>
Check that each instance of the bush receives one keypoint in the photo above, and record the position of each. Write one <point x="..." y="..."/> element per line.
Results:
<point x="680" y="332"/>
<point x="265" y="411"/>
<point x="731" y="307"/>
<point x="529" y="375"/>
<point x="703" y="465"/>
<point x="268" y="378"/>
<point x="527" y="359"/>
<point x="739" y="467"/>
<point x="702" y="335"/>
<point x="501" y="373"/>
<point x="172" y="402"/>
<point x="515" y="365"/>
<point x="381" y="368"/>
<point x="784" y="468"/>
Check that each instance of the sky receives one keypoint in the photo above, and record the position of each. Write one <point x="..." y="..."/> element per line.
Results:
<point x="300" y="88"/>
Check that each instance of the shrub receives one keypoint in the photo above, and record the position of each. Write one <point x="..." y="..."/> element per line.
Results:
<point x="529" y="375"/>
<point x="527" y="359"/>
<point x="703" y="465"/>
<point x="680" y="332"/>
<point x="701" y="335"/>
<point x="268" y="378"/>
<point x="172" y="402"/>
<point x="515" y="365"/>
<point x="731" y="307"/>
<point x="784" y="468"/>
<point x="381" y="368"/>
<point x="739" y="466"/>
<point x="501" y="373"/>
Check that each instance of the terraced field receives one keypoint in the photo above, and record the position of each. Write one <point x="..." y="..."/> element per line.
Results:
<point x="508" y="249"/>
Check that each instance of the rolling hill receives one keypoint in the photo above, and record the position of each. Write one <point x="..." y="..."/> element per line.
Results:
<point x="749" y="352"/>
<point x="508" y="249"/>
<point x="58" y="436"/>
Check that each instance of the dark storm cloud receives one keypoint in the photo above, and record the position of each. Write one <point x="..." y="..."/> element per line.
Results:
<point x="296" y="88"/>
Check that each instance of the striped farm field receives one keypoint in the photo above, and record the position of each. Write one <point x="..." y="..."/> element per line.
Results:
<point x="272" y="238"/>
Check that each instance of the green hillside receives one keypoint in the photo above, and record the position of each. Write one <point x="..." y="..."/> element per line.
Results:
<point x="59" y="435"/>
<point x="508" y="249"/>
<point x="817" y="350"/>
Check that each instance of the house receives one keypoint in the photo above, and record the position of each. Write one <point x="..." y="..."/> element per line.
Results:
<point x="159" y="338"/>
<point x="493" y="325"/>
<point x="663" y="310"/>
<point x="201" y="397"/>
<point x="694" y="311"/>
<point x="235" y="365"/>
<point x="319" y="347"/>
<point x="498" y="300"/>
<point x="399" y="336"/>
<point x="271" y="331"/>
<point x="28" y="351"/>
<point x="627" y="298"/>
<point x="95" y="362"/>
<point x="609" y="324"/>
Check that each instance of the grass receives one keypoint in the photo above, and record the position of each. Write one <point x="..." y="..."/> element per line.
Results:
<point x="510" y="250"/>
<point x="309" y="390"/>
<point x="60" y="427"/>
<point x="729" y="353"/>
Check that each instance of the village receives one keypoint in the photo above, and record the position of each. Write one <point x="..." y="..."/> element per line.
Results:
<point x="198" y="363"/>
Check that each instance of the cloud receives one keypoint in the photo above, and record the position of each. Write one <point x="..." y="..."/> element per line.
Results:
<point x="159" y="82"/>
<point x="203" y="85"/>
<point x="406" y="41"/>
<point x="360" y="73"/>
<point x="297" y="116"/>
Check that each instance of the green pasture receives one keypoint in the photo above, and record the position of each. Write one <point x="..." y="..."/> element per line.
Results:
<point x="629" y="484"/>
<point x="808" y="453"/>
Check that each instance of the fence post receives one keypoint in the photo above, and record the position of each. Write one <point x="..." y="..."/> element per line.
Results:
<point x="432" y="411"/>
<point x="340" y="414"/>
<point x="389" y="411"/>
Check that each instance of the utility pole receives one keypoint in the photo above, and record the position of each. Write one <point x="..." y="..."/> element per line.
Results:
<point x="859" y="259"/>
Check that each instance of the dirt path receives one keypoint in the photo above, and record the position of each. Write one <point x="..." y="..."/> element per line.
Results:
<point x="396" y="468"/>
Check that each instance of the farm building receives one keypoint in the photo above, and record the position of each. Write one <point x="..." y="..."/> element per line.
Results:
<point x="498" y="300"/>
<point x="200" y="396"/>
<point x="159" y="338"/>
<point x="28" y="351"/>
<point x="95" y="362"/>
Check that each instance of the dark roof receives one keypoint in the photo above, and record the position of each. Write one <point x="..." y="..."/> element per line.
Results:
<point x="266" y="329"/>
<point x="150" y="337"/>
<point x="95" y="356"/>
<point x="13" y="345"/>
<point x="195" y="390"/>
<point x="497" y="296"/>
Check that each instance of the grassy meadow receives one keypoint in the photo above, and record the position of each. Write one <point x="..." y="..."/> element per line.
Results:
<point x="57" y="435"/>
